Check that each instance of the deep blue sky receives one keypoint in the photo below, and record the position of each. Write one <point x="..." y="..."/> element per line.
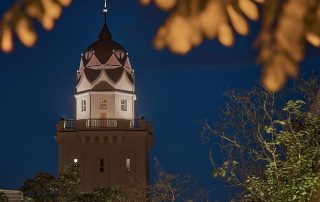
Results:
<point x="174" y="92"/>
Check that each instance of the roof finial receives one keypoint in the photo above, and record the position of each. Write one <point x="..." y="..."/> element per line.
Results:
<point x="105" y="11"/>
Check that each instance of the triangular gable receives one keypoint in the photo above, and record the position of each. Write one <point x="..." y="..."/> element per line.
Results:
<point x="93" y="61"/>
<point x="103" y="77"/>
<point x="124" y="84"/>
<point x="113" y="61"/>
<point x="127" y="64"/>
<point x="83" y="84"/>
<point x="130" y="77"/>
<point x="103" y="85"/>
<point x="81" y="66"/>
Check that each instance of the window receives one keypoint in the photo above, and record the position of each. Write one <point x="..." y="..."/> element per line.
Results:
<point x="123" y="105"/>
<point x="103" y="103"/>
<point x="114" y="139"/>
<point x="128" y="165"/>
<point x="101" y="166"/>
<point x="83" y="105"/>
<point x="105" y="139"/>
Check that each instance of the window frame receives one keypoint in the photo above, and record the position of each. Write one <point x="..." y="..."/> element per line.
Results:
<point x="101" y="167"/>
<point x="103" y="103"/>
<point x="124" y="104"/>
<point x="128" y="165"/>
<point x="83" y="105"/>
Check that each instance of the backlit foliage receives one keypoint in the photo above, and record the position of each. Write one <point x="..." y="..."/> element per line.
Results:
<point x="66" y="187"/>
<point x="3" y="197"/>
<point x="286" y="27"/>
<point x="270" y="146"/>
<point x="19" y="19"/>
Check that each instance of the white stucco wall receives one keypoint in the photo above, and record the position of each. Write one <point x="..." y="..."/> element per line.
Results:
<point x="124" y="83"/>
<point x="95" y="107"/>
<point x="113" y="110"/>
<point x="129" y="114"/>
<point x="79" y="113"/>
<point x="83" y="84"/>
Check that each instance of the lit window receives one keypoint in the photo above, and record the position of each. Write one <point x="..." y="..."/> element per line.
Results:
<point x="103" y="103"/>
<point x="128" y="165"/>
<point x="101" y="166"/>
<point x="83" y="105"/>
<point x="123" y="105"/>
<point x="75" y="160"/>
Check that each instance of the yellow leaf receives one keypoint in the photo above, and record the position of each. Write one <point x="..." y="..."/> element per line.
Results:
<point x="65" y="2"/>
<point x="47" y="22"/>
<point x="283" y="62"/>
<point x="27" y="36"/>
<point x="260" y="1"/>
<point x="165" y="4"/>
<point x="249" y="9"/>
<point x="225" y="35"/>
<point x="265" y="53"/>
<point x="288" y="41"/>
<point x="6" y="40"/>
<point x="273" y="77"/>
<point x="51" y="9"/>
<point x="313" y="39"/>
<point x="159" y="41"/>
<point x="34" y="11"/>
<point x="196" y="36"/>
<point x="238" y="22"/>
<point x="145" y="2"/>
<point x="179" y="34"/>
<point x="211" y="18"/>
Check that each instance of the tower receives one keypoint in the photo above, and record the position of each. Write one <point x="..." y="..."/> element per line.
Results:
<point x="105" y="138"/>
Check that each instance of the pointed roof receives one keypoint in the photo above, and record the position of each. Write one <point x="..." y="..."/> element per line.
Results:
<point x="105" y="33"/>
<point x="104" y="47"/>
<point x="105" y="57"/>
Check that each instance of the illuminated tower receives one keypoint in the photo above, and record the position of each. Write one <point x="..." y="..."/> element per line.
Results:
<point x="105" y="138"/>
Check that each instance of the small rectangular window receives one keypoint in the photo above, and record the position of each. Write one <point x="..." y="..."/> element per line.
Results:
<point x="103" y="103"/>
<point x="128" y="165"/>
<point x="101" y="166"/>
<point x="87" y="139"/>
<point x="96" y="139"/>
<point x="114" y="139"/>
<point x="83" y="105"/>
<point x="105" y="139"/>
<point x="123" y="105"/>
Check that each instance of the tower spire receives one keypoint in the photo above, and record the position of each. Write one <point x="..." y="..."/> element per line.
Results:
<point x="105" y="11"/>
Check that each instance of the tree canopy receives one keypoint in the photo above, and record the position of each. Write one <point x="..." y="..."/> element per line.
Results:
<point x="3" y="197"/>
<point x="270" y="143"/>
<point x="44" y="187"/>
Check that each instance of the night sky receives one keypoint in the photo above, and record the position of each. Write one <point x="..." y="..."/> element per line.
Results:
<point x="174" y="92"/>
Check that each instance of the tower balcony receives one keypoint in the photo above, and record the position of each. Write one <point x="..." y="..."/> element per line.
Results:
<point x="103" y="124"/>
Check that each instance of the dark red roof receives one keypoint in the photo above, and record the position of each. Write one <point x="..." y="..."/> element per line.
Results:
<point x="130" y="77"/>
<point x="104" y="47"/>
<point x="115" y="74"/>
<point x="92" y="74"/>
